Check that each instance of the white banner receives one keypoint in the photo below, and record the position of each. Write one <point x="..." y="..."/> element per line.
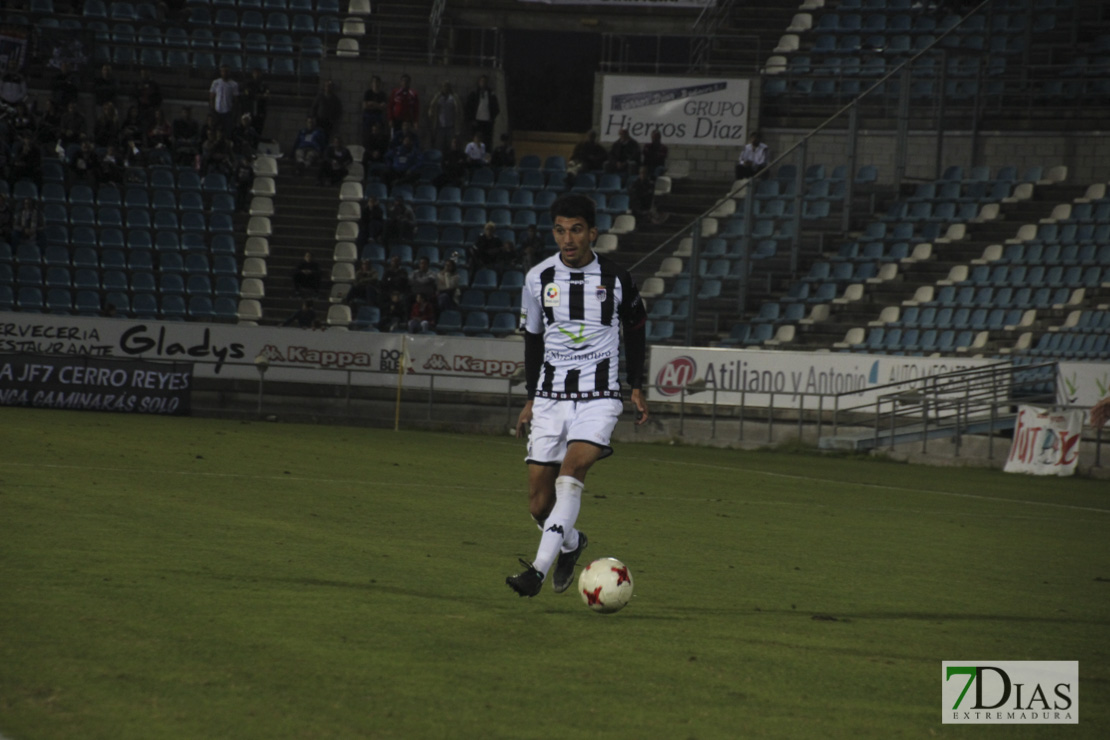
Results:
<point x="698" y="111"/>
<point x="1082" y="383"/>
<point x="751" y="376"/>
<point x="1046" y="442"/>
<point x="295" y="355"/>
<point x="630" y="3"/>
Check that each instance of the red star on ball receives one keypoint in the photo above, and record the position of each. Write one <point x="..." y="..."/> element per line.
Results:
<point x="622" y="575"/>
<point x="592" y="597"/>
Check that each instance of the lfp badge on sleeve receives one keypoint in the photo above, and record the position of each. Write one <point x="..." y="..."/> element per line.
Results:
<point x="1010" y="692"/>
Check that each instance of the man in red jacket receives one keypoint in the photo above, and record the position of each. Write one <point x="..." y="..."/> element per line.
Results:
<point x="404" y="105"/>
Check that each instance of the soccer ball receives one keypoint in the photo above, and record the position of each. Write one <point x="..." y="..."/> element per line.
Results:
<point x="605" y="585"/>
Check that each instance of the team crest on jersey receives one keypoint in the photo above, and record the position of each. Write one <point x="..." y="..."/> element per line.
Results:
<point x="600" y="291"/>
<point x="550" y="295"/>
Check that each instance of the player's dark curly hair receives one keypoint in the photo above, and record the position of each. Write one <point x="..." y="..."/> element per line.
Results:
<point x="575" y="205"/>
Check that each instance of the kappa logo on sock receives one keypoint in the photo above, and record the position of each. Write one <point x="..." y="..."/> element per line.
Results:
<point x="556" y="528"/>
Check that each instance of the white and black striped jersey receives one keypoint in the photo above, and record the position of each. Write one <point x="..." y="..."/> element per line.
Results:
<point x="579" y="312"/>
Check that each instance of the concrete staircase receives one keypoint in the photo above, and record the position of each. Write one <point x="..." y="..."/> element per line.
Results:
<point x="304" y="220"/>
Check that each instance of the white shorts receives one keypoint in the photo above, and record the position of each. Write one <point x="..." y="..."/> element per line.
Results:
<point x="555" y="424"/>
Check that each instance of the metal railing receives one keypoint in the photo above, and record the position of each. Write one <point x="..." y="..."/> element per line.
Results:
<point x="979" y="401"/>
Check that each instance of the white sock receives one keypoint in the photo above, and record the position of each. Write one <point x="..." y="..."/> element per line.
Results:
<point x="559" y="533"/>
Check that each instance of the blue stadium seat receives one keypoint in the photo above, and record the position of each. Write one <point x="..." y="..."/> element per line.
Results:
<point x="450" y="321"/>
<point x="29" y="299"/>
<point x="476" y="322"/>
<point x="225" y="308"/>
<point x="227" y="286"/>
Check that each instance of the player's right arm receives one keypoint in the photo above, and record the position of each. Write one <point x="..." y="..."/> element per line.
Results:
<point x="531" y="324"/>
<point x="533" y="363"/>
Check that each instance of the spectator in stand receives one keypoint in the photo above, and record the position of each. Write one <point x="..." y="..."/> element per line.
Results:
<point x="327" y="109"/>
<point x="406" y="130"/>
<point x="482" y="110"/>
<point x="404" y="105"/>
<point x="364" y="290"/>
<point x="655" y="155"/>
<point x="371" y="222"/>
<point x="529" y="247"/>
<point x="216" y="155"/>
<point x="211" y="123"/>
<point x="130" y="129"/>
<point x="486" y="249"/>
<point x="160" y="135"/>
<point x="64" y="87"/>
<point x="753" y="157"/>
<point x="5" y="218"/>
<point x="308" y="146"/>
<point x="244" y="139"/>
<point x="424" y="280"/>
<point x="256" y="100"/>
<point x="84" y="163"/>
<point x="400" y="223"/>
<point x="148" y="98"/>
<point x="452" y="165"/>
<point x="403" y="163"/>
<point x="105" y="86"/>
<point x="447" y="286"/>
<point x="373" y="111"/>
<point x="109" y="168"/>
<point x="73" y="126"/>
<point x="376" y="147"/>
<point x="507" y="258"/>
<point x="444" y="114"/>
<point x="641" y="197"/>
<point x="305" y="318"/>
<point x="475" y="151"/>
<point x="588" y="156"/>
<point x="395" y="281"/>
<point x="335" y="163"/>
<point x="23" y="120"/>
<point x="306" y="277"/>
<point x="49" y="128"/>
<point x="222" y="96"/>
<point x="624" y="155"/>
<point x="186" y="138"/>
<point x="106" y="129"/>
<point x="26" y="159"/>
<point x="13" y="87"/>
<point x="504" y="155"/>
<point x="28" y="221"/>
<point x="394" y="314"/>
<point x="422" y="315"/>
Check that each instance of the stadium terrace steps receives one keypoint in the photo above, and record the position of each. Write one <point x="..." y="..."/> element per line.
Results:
<point x="303" y="221"/>
<point x="912" y="276"/>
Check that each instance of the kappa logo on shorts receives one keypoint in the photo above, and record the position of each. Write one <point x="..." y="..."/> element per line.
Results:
<point x="550" y="295"/>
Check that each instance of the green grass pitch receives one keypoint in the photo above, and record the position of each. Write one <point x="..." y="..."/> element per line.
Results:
<point x="194" y="579"/>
